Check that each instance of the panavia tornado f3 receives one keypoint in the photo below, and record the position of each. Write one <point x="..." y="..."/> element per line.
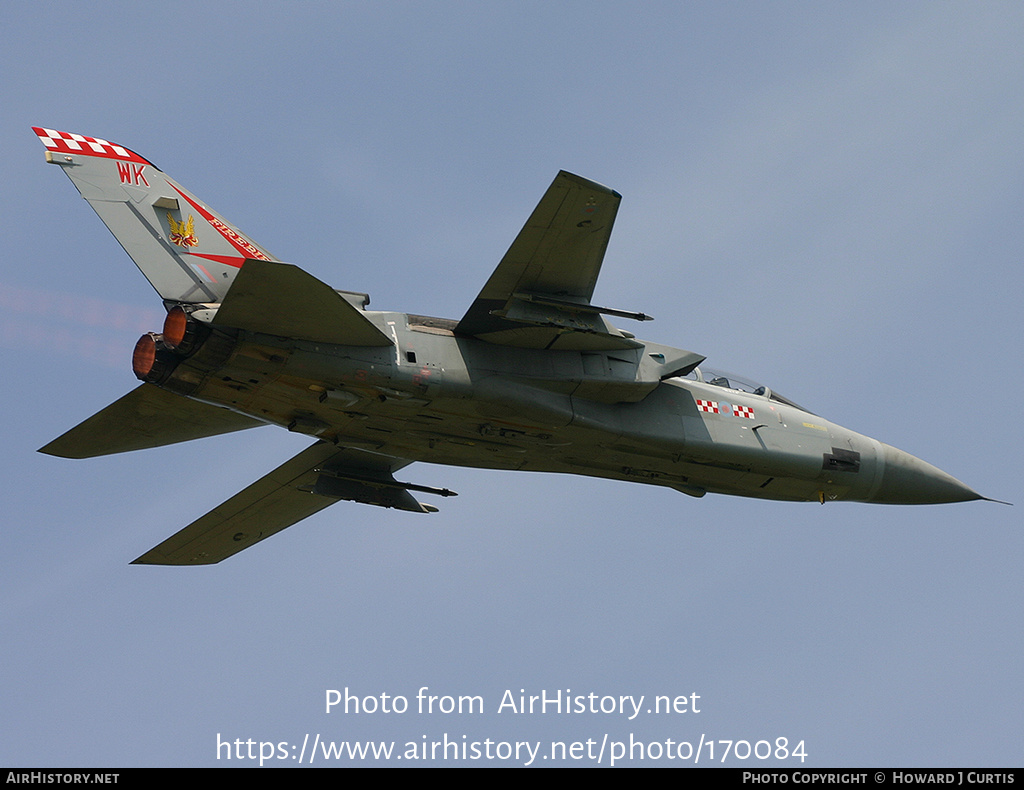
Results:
<point x="533" y="377"/>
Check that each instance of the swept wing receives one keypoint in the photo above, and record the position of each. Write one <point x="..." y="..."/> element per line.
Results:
<point x="317" y="477"/>
<point x="539" y="295"/>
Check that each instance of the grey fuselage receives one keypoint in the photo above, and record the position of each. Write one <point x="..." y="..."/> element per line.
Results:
<point x="441" y="398"/>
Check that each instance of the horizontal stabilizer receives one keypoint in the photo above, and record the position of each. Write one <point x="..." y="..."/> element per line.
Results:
<point x="287" y="495"/>
<point x="282" y="299"/>
<point x="146" y="417"/>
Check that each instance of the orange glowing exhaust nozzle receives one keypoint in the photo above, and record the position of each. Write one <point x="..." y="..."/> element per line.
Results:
<point x="144" y="356"/>
<point x="182" y="334"/>
<point x="175" y="327"/>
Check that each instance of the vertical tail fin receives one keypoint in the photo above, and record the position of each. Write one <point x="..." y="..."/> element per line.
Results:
<point x="186" y="251"/>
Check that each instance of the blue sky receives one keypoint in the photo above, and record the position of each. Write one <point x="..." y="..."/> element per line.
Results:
<point x="826" y="197"/>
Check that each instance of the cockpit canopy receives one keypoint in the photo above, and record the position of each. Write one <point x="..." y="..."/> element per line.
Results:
<point x="720" y="378"/>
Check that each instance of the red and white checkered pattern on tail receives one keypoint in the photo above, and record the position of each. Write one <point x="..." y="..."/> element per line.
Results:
<point x="743" y="411"/>
<point x="708" y="405"/>
<point x="68" y="143"/>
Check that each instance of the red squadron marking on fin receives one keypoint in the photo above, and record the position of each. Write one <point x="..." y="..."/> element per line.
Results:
<point x="234" y="238"/>
<point x="227" y="260"/>
<point x="131" y="173"/>
<point x="68" y="143"/>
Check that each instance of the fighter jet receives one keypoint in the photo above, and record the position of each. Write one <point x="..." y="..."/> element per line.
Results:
<point x="533" y="377"/>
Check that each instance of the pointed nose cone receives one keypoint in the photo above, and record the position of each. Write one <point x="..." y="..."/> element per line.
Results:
<point x="907" y="480"/>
